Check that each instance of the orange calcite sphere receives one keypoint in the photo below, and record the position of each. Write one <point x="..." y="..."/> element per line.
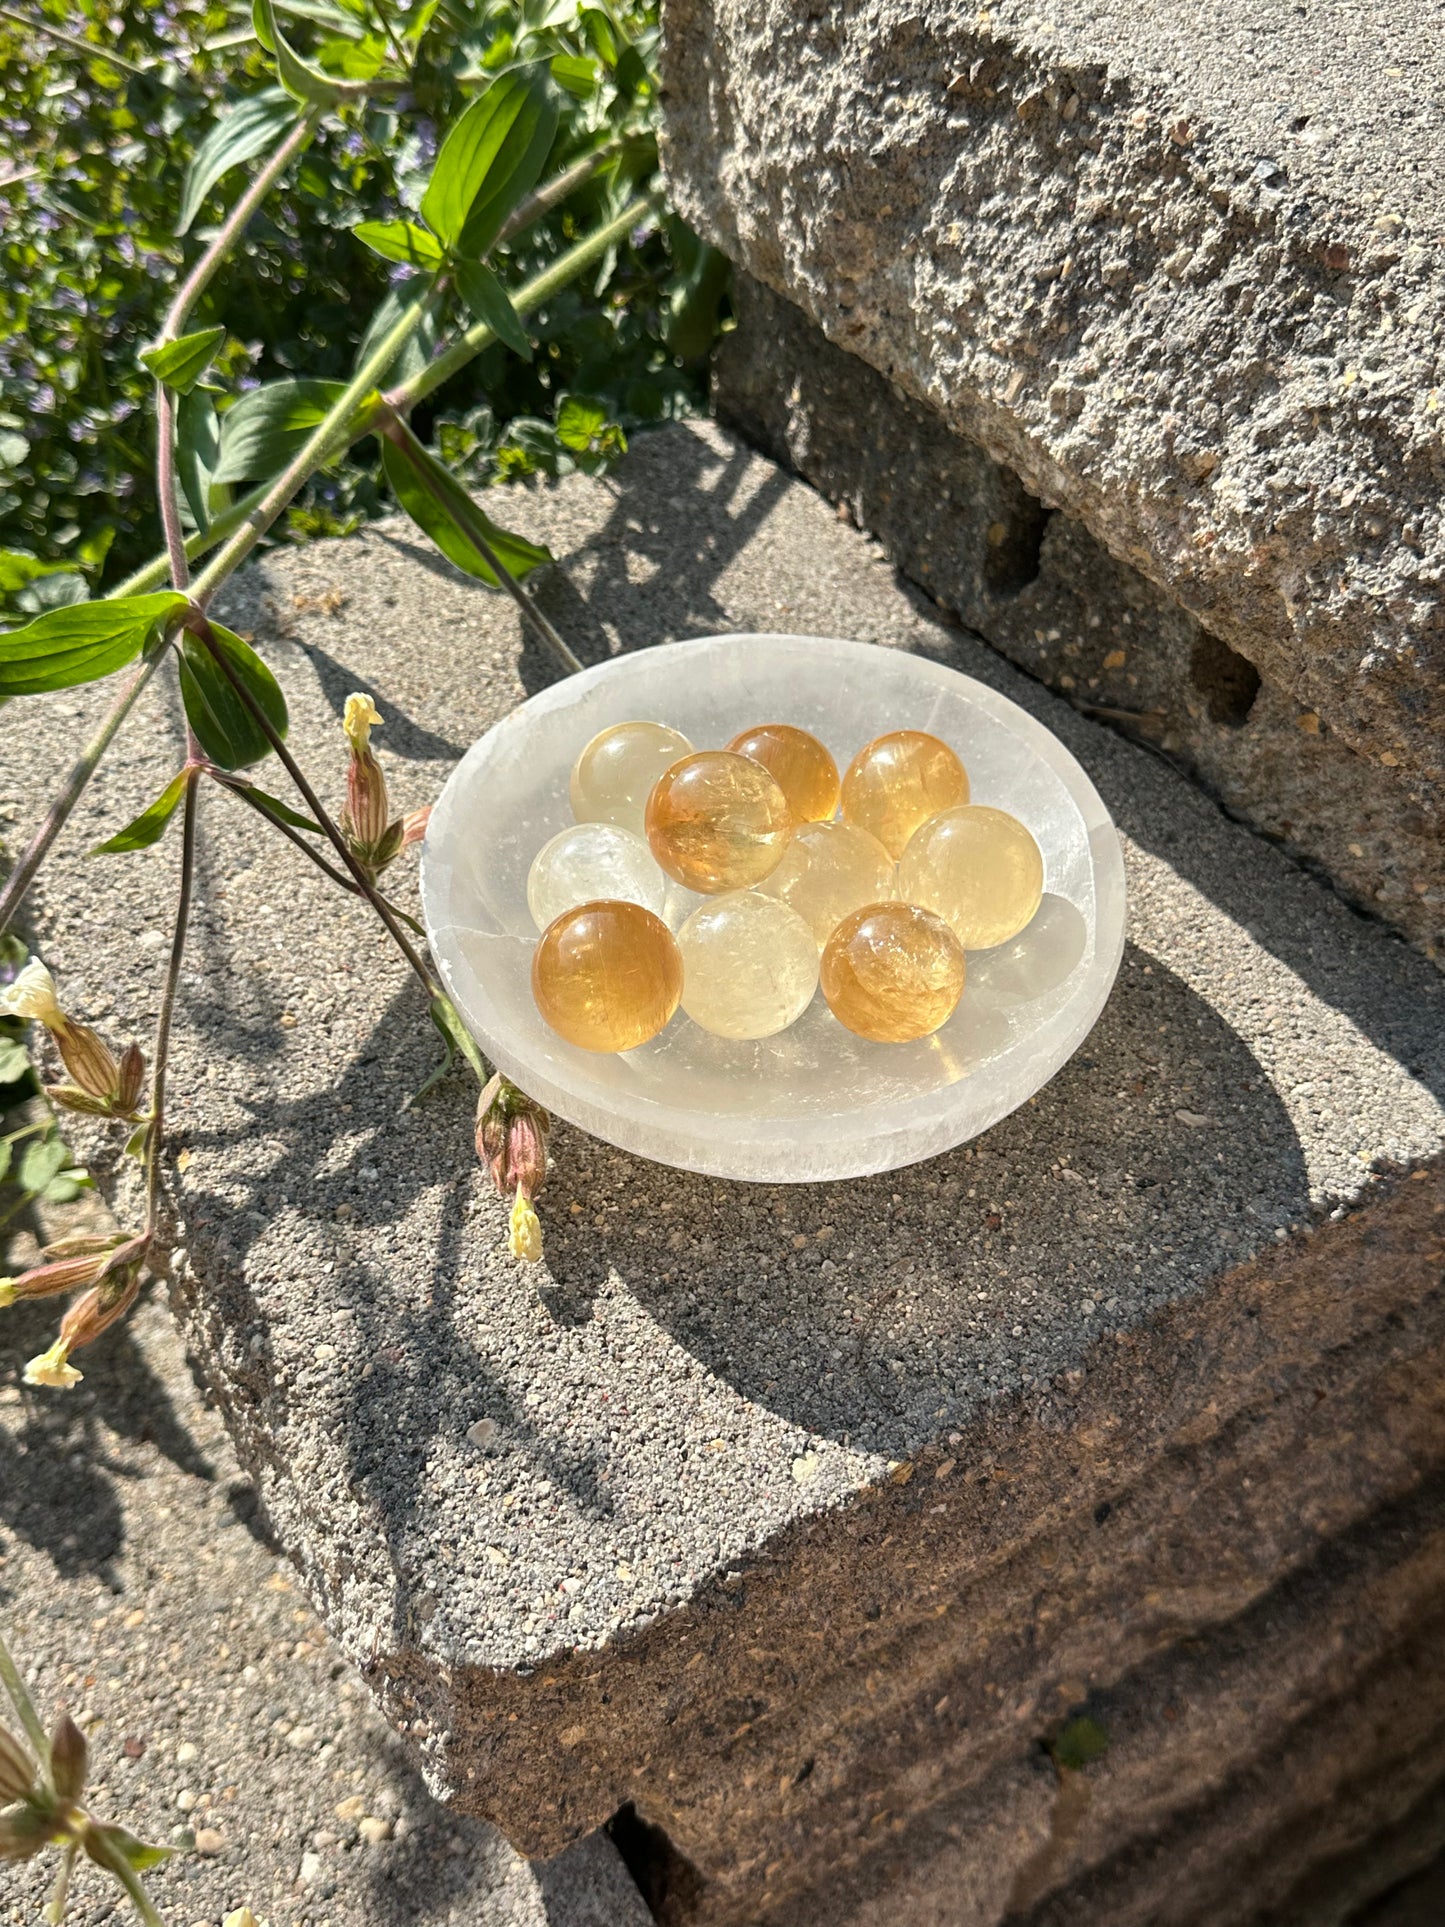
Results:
<point x="896" y="782"/>
<point x="718" y="821"/>
<point x="607" y="975"/>
<point x="801" y="766"/>
<point x="892" y="972"/>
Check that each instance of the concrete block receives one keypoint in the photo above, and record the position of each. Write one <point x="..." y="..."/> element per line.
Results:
<point x="805" y="1516"/>
<point x="1043" y="590"/>
<point x="1179" y="271"/>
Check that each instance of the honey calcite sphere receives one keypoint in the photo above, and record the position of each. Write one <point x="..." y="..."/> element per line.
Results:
<point x="590" y="861"/>
<point x="828" y="870"/>
<point x="892" y="972"/>
<point x="977" y="868"/>
<point x="896" y="782"/>
<point x="613" y="777"/>
<point x="607" y="976"/>
<point x="718" y="821"/>
<point x="749" y="965"/>
<point x="800" y="764"/>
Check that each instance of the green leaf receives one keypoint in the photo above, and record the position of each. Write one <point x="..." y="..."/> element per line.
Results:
<point x="198" y="450"/>
<point x="296" y="75"/>
<point x="135" y="1144"/>
<point x="490" y="302"/>
<point x="270" y="425"/>
<point x="181" y="363"/>
<point x="14" y="1060"/>
<point x="224" y="726"/>
<point x="139" y="1855"/>
<point x="490" y="159"/>
<point x="1081" y="1741"/>
<point x="150" y="826"/>
<point x="447" y="520"/>
<point x="459" y="1043"/>
<point x="601" y="32"/>
<point x="66" y="1187"/>
<point x="81" y="643"/>
<point x="401" y="241"/>
<point x="45" y="1158"/>
<point x="17" y="568"/>
<point x="255" y="124"/>
<point x="4" y="1157"/>
<point x="577" y="74"/>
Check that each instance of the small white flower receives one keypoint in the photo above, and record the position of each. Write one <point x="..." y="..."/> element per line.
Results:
<point x="33" y="995"/>
<point x="360" y="718"/>
<point x="51" y="1368"/>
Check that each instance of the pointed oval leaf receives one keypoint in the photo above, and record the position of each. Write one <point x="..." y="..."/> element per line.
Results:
<point x="224" y="726"/>
<point x="296" y="75"/>
<point x="139" y="1855"/>
<point x="490" y="303"/>
<point x="253" y="125"/>
<point x="490" y="159"/>
<point x="81" y="642"/>
<point x="268" y="426"/>
<point x="198" y="449"/>
<point x="181" y="363"/>
<point x="420" y="345"/>
<point x="444" y="511"/>
<point x="17" y="569"/>
<point x="150" y="826"/>
<point x="401" y="241"/>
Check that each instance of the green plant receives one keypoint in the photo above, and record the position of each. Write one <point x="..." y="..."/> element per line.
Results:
<point x="557" y="119"/>
<point x="92" y="242"/>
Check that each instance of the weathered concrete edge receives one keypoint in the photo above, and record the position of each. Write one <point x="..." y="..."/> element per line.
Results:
<point x="634" y="1721"/>
<point x="1234" y="577"/>
<point x="1091" y="627"/>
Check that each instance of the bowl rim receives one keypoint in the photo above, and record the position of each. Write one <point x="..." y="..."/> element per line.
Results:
<point x="735" y="1146"/>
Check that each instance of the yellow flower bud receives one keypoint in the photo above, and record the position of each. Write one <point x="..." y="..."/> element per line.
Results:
<point x="360" y="718"/>
<point x="524" y="1230"/>
<point x="51" y="1369"/>
<point x="32" y="995"/>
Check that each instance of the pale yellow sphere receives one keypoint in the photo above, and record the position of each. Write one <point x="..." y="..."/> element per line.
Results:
<point x="613" y="777"/>
<point x="896" y="782"/>
<point x="830" y="870"/>
<point x="749" y="966"/>
<point x="977" y="868"/>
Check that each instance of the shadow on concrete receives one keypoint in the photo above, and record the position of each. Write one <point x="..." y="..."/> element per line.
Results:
<point x="866" y="1319"/>
<point x="60" y="1476"/>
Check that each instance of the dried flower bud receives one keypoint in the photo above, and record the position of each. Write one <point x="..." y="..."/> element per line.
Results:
<point x="25" y="1832"/>
<point x="413" y="826"/>
<point x="70" y="1097"/>
<point x="110" y="1298"/>
<point x="89" y="1059"/>
<point x="67" y="1271"/>
<point x="367" y="810"/>
<point x="512" y="1133"/>
<point x="17" y="1769"/>
<point x="524" y="1231"/>
<point x="69" y="1756"/>
<point x="131" y="1081"/>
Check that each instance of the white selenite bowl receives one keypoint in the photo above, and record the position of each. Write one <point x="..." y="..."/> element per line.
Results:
<point x="815" y="1101"/>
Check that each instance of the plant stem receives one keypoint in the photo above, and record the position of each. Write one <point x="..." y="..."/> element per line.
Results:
<point x="54" y="1913"/>
<point x="168" y="1001"/>
<point x="235" y="223"/>
<point x="405" y="442"/>
<point x="202" y="629"/>
<point x="544" y="198"/>
<point x="334" y="432"/>
<point x="128" y="1878"/>
<point x="426" y="381"/>
<point x="245" y="791"/>
<point x="21" y="877"/>
<point x="25" y="1706"/>
<point x="166" y="488"/>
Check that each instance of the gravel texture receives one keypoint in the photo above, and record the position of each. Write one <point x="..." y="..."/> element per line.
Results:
<point x="140" y="1588"/>
<point x="699" y="1365"/>
<point x="1178" y="267"/>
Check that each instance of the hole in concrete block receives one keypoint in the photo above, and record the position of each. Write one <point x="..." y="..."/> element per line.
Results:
<point x="1227" y="681"/>
<point x="1014" y="544"/>
<point x="667" y="1880"/>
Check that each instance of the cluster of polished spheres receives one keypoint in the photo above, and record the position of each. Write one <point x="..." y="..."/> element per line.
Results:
<point x="727" y="881"/>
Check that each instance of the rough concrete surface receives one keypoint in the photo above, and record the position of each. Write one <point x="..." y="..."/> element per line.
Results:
<point x="767" y="1468"/>
<point x="140" y="1588"/>
<point x="1177" y="267"/>
<point x="1042" y="589"/>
